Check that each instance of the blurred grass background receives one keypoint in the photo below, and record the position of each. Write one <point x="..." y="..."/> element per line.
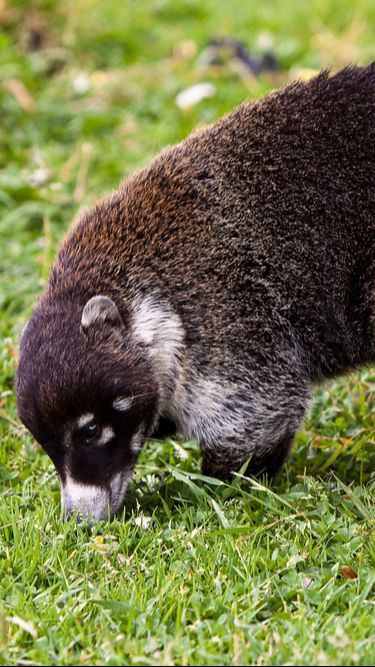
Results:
<point x="222" y="575"/>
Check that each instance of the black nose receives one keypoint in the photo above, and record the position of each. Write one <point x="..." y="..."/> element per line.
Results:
<point x="79" y="517"/>
<point x="67" y="509"/>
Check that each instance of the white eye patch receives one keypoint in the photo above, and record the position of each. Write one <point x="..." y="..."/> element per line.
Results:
<point x="85" y="419"/>
<point x="122" y="403"/>
<point x="107" y="435"/>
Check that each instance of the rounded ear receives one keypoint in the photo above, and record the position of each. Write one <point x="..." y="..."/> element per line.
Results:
<point x="100" y="309"/>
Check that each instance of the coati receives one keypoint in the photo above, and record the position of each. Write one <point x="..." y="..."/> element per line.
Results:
<point x="211" y="289"/>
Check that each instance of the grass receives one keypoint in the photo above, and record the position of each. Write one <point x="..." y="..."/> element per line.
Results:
<point x="193" y="572"/>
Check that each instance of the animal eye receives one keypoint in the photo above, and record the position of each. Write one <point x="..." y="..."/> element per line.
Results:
<point x="90" y="431"/>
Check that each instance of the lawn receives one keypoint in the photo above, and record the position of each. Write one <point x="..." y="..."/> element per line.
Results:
<point x="193" y="571"/>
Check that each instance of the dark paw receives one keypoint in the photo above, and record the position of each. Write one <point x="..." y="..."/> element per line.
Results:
<point x="164" y="429"/>
<point x="217" y="464"/>
<point x="210" y="468"/>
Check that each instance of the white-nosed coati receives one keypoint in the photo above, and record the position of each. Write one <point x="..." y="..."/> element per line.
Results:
<point x="211" y="289"/>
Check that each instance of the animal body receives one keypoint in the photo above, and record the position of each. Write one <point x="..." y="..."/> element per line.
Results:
<point x="211" y="290"/>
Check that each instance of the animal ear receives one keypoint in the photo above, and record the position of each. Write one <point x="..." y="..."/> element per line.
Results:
<point x="100" y="309"/>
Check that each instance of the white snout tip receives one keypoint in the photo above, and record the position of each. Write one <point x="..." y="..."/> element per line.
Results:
<point x="93" y="502"/>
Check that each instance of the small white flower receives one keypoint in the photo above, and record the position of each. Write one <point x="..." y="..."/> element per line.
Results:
<point x="143" y="521"/>
<point x="190" y="96"/>
<point x="81" y="83"/>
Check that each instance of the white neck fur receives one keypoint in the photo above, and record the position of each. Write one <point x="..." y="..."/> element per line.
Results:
<point x="159" y="328"/>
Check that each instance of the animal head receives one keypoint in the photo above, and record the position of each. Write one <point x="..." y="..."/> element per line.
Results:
<point x="87" y="394"/>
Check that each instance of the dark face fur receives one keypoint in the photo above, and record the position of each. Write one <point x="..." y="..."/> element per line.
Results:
<point x="88" y="398"/>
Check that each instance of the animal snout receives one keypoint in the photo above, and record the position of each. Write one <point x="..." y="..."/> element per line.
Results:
<point x="86" y="500"/>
